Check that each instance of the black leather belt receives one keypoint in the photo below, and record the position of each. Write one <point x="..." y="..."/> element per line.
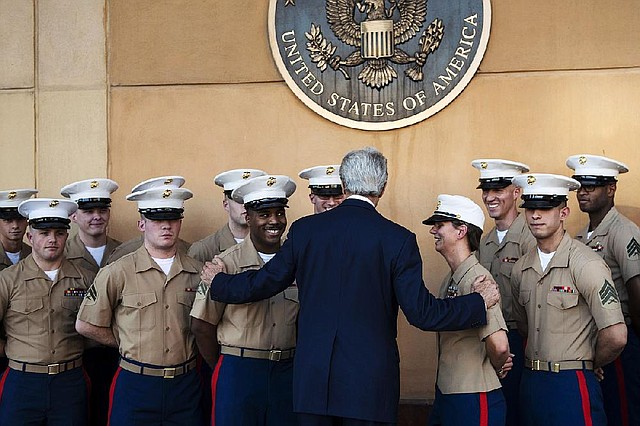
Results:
<point x="271" y="355"/>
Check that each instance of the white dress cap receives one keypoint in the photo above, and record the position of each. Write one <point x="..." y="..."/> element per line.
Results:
<point x="90" y="191"/>
<point x="11" y="199"/>
<point x="595" y="169"/>
<point x="232" y="179"/>
<point x="541" y="190"/>
<point x="44" y="213"/>
<point x="161" y="198"/>
<point x="264" y="187"/>
<point x="322" y="175"/>
<point x="497" y="173"/>
<point x="159" y="182"/>
<point x="450" y="207"/>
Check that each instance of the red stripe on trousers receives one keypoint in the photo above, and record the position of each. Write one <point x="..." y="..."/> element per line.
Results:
<point x="622" y="393"/>
<point x="584" y="396"/>
<point x="111" y="391"/>
<point x="4" y="378"/>
<point x="214" y="385"/>
<point x="484" y="409"/>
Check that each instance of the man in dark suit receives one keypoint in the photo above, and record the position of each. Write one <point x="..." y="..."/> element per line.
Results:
<point x="353" y="268"/>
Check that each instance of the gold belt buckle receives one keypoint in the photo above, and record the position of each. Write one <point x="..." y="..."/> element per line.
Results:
<point x="555" y="367"/>
<point x="169" y="373"/>
<point x="53" y="368"/>
<point x="535" y="365"/>
<point x="275" y="355"/>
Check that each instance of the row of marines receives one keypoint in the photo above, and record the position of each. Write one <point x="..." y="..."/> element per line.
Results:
<point x="148" y="293"/>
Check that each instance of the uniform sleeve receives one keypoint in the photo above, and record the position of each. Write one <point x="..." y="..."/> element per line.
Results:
<point x="495" y="322"/>
<point x="101" y="298"/>
<point x="595" y="284"/>
<point x="206" y="309"/>
<point x="517" y="308"/>
<point x="5" y="294"/>
<point x="627" y="251"/>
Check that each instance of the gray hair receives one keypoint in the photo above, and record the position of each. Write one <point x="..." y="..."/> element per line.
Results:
<point x="364" y="172"/>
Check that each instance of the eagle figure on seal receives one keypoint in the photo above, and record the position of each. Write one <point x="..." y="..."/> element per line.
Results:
<point x="377" y="38"/>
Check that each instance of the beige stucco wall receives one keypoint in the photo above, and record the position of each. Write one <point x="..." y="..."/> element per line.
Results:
<point x="146" y="88"/>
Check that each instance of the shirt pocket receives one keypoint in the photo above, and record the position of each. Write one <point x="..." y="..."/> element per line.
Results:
<point x="139" y="311"/>
<point x="563" y="314"/>
<point x="72" y="304"/>
<point x="185" y="301"/>
<point x="30" y="318"/>
<point x="524" y="297"/>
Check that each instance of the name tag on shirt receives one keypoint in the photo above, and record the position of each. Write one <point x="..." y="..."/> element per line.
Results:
<point x="74" y="292"/>
<point x="562" y="289"/>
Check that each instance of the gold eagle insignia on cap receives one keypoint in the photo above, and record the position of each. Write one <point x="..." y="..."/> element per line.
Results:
<point x="271" y="181"/>
<point x="94" y="184"/>
<point x="582" y="160"/>
<point x="484" y="165"/>
<point x="168" y="181"/>
<point x="330" y="170"/>
<point x="246" y="175"/>
<point x="166" y="193"/>
<point x="12" y="195"/>
<point x="531" y="180"/>
<point x="53" y="203"/>
<point x="438" y="204"/>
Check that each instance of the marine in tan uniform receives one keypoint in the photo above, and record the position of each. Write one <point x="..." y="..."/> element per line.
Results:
<point x="252" y="380"/>
<point x="141" y="304"/>
<point x="617" y="240"/>
<point x="499" y="250"/>
<point x="39" y="300"/>
<point x="469" y="361"/>
<point x="90" y="249"/>
<point x="568" y="309"/>
<point x="13" y="227"/>
<point x="325" y="186"/>
<point x="135" y="243"/>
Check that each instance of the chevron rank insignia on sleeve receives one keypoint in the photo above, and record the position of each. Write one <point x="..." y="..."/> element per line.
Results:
<point x="633" y="248"/>
<point x="202" y="290"/>
<point x="92" y="293"/>
<point x="608" y="294"/>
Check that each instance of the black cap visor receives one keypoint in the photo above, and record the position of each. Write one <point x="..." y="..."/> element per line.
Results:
<point x="162" y="213"/>
<point x="10" y="213"/>
<point x="94" y="203"/>
<point x="266" y="203"/>
<point x="440" y="217"/>
<point x="326" y="190"/>
<point x="49" y="223"/>
<point x="590" y="180"/>
<point x="494" y="183"/>
<point x="532" y="201"/>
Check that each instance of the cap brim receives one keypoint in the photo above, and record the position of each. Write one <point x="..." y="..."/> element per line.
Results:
<point x="98" y="203"/>
<point x="266" y="203"/>
<point x="332" y="190"/>
<point x="162" y="214"/>
<point x="543" y="202"/>
<point x="594" y="180"/>
<point x="50" y="223"/>
<point x="493" y="184"/>
<point x="10" y="214"/>
<point x="437" y="218"/>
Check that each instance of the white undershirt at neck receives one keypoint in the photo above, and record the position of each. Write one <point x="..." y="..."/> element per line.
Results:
<point x="589" y="234"/>
<point x="238" y="240"/>
<point x="266" y="257"/>
<point x="501" y="235"/>
<point x="545" y="258"/>
<point x="165" y="264"/>
<point x="13" y="257"/>
<point x="97" y="253"/>
<point x="52" y="274"/>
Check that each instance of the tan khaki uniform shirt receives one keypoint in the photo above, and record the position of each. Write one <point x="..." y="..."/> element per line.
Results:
<point x="5" y="262"/>
<point x="214" y="244"/>
<point x="147" y="310"/>
<point x="77" y="253"/>
<point x="499" y="258"/>
<point x="564" y="307"/>
<point x="463" y="363"/>
<point x="617" y="240"/>
<point x="134" y="244"/>
<point x="267" y="324"/>
<point x="39" y="315"/>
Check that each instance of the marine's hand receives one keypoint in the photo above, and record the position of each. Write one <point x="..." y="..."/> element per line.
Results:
<point x="599" y="372"/>
<point x="508" y="365"/>
<point x="211" y="269"/>
<point x="488" y="289"/>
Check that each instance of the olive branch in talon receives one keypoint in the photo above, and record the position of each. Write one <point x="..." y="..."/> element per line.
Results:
<point x="321" y="51"/>
<point x="429" y="42"/>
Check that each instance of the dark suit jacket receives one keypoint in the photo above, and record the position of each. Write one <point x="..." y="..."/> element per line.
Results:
<point x="353" y="268"/>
